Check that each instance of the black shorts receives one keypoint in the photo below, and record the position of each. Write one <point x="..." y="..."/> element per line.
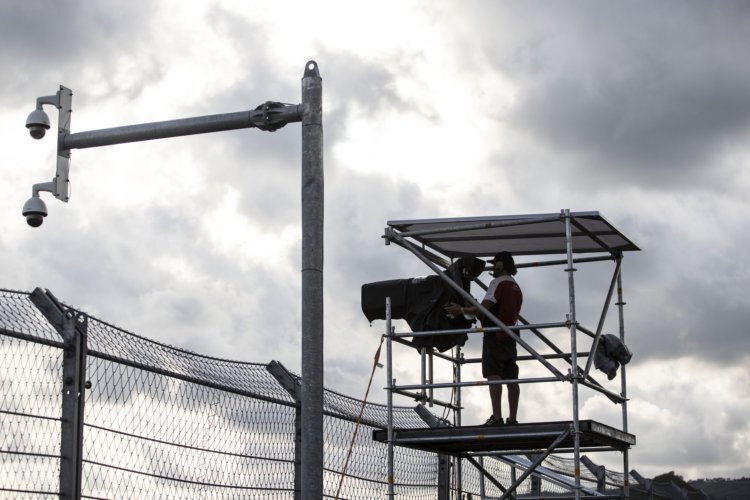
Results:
<point x="499" y="357"/>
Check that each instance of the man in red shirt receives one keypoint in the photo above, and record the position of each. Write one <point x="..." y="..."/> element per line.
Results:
<point x="503" y="299"/>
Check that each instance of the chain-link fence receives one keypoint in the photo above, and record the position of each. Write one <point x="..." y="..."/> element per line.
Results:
<point x="163" y="422"/>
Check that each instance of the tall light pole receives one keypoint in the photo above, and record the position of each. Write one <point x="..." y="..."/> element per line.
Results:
<point x="269" y="116"/>
<point x="312" y="285"/>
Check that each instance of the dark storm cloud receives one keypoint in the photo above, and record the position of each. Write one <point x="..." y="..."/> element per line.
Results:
<point x="642" y="111"/>
<point x="649" y="100"/>
<point x="696" y="316"/>
<point x="44" y="40"/>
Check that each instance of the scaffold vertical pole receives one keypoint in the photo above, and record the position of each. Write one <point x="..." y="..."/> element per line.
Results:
<point x="573" y="353"/>
<point x="390" y="384"/>
<point x="431" y="378"/>
<point x="482" y="492"/>
<point x="459" y="464"/>
<point x="623" y="381"/>
<point x="423" y="365"/>
<point x="312" y="283"/>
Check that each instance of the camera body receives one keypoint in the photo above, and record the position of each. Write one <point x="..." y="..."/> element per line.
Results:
<point x="35" y="210"/>
<point x="421" y="302"/>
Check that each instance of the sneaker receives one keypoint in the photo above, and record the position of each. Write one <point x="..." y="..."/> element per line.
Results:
<point x="492" y="422"/>
<point x="511" y="422"/>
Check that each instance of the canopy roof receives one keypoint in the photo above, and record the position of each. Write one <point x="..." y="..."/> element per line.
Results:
<point x="538" y="234"/>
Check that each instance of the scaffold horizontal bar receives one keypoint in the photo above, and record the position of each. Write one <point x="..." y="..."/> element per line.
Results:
<point x="481" y="225"/>
<point x="447" y="385"/>
<point x="515" y="328"/>
<point x="479" y="437"/>
<point x="530" y="358"/>
<point x="560" y="262"/>
<point x="558" y="451"/>
<point x="418" y="396"/>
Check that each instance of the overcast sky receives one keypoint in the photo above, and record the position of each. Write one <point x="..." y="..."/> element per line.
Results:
<point x="638" y="110"/>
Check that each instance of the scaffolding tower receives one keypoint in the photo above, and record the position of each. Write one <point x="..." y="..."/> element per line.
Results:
<point x="582" y="238"/>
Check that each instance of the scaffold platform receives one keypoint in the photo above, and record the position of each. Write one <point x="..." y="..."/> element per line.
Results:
<point x="512" y="439"/>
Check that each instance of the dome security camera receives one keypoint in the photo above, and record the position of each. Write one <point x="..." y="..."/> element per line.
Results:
<point x="35" y="210"/>
<point x="37" y="123"/>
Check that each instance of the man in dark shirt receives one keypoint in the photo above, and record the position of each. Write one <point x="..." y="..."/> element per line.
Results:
<point x="503" y="299"/>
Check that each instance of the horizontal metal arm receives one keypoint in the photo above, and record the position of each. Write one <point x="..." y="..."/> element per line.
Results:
<point x="269" y="116"/>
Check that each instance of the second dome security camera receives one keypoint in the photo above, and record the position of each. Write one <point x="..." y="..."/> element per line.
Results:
<point x="35" y="210"/>
<point x="37" y="123"/>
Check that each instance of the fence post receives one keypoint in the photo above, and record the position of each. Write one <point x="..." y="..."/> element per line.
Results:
<point x="292" y="386"/>
<point x="444" y="477"/>
<point x="598" y="471"/>
<point x="536" y="481"/>
<point x="72" y="326"/>
<point x="444" y="461"/>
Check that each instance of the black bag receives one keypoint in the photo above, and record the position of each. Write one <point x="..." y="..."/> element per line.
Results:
<point x="420" y="301"/>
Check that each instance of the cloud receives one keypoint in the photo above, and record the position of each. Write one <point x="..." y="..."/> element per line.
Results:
<point x="625" y="99"/>
<point x="46" y="40"/>
<point x="675" y="396"/>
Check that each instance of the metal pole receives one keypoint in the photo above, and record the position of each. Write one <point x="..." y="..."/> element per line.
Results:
<point x="598" y="471"/>
<point x="573" y="354"/>
<point x="482" y="493"/>
<point x="602" y="317"/>
<point x="444" y="477"/>
<point x="74" y="380"/>
<point x="292" y="385"/>
<point x="423" y="366"/>
<point x="390" y="383"/>
<point x="431" y="375"/>
<point x="623" y="380"/>
<point x="459" y="462"/>
<point x="72" y="327"/>
<point x="181" y="127"/>
<point x="312" y="283"/>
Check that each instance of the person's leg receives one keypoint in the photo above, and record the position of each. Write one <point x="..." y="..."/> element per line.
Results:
<point x="510" y="372"/>
<point x="514" y="391"/>
<point x="496" y="397"/>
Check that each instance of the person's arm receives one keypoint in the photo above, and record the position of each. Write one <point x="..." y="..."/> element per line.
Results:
<point x="456" y="309"/>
